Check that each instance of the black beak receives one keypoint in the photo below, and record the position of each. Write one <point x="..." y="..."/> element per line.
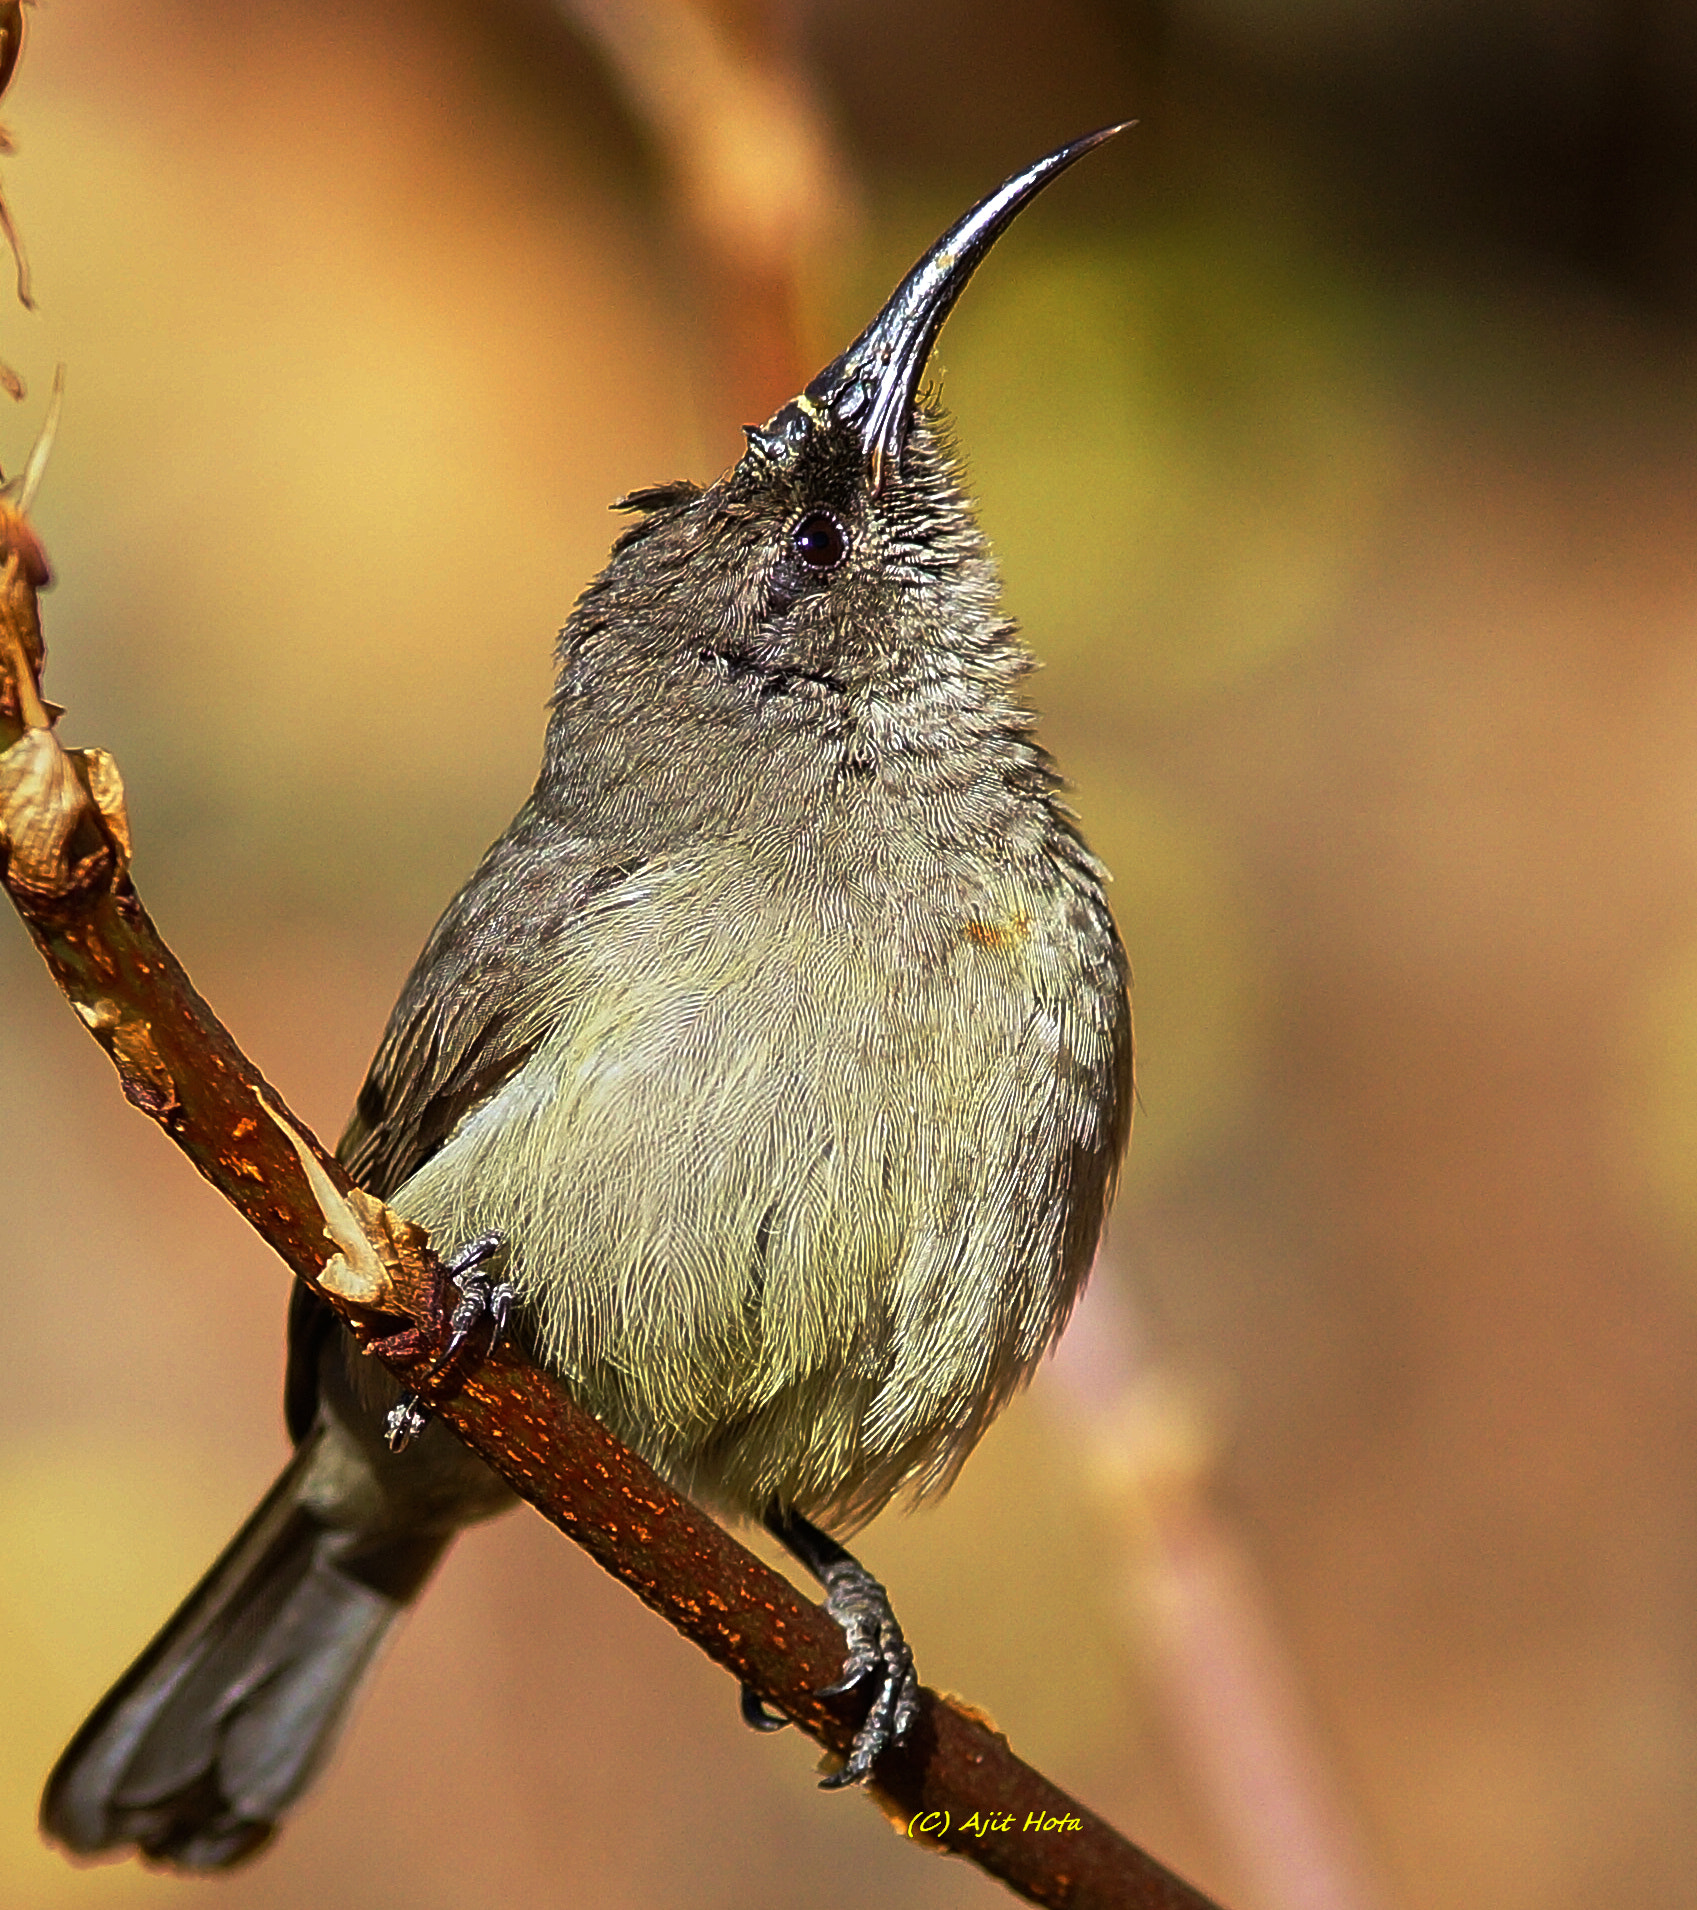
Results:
<point x="870" y="389"/>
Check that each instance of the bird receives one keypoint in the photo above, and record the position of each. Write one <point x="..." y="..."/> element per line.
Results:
<point x="770" y="1075"/>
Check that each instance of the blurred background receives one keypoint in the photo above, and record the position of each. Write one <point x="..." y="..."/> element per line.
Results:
<point x="1338" y="433"/>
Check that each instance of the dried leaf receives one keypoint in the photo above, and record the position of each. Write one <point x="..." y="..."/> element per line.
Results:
<point x="42" y="805"/>
<point x="356" y="1271"/>
<point x="99" y="772"/>
<point x="36" y="464"/>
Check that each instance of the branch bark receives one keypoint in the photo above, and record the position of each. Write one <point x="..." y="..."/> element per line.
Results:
<point x="64" y="860"/>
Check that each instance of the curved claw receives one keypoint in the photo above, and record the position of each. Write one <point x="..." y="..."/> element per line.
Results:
<point x="756" y="1715"/>
<point x="484" y="1301"/>
<point x="406" y="1420"/>
<point x="892" y="1714"/>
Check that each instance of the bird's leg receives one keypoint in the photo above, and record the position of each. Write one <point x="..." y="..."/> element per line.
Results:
<point x="483" y="1300"/>
<point x="876" y="1647"/>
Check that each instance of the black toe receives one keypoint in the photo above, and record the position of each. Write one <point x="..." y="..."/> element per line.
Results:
<point x="876" y="1651"/>
<point x="483" y="1302"/>
<point x="756" y="1715"/>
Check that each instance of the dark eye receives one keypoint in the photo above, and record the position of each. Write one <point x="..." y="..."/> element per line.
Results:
<point x="820" y="541"/>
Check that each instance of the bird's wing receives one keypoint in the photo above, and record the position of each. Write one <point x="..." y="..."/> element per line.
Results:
<point x="463" y="1025"/>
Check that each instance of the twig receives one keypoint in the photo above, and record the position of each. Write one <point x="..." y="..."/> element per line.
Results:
<point x="11" y="50"/>
<point x="64" y="859"/>
<point x="761" y="191"/>
<point x="1148" y="1442"/>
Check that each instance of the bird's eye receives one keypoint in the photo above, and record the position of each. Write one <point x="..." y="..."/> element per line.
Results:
<point x="820" y="540"/>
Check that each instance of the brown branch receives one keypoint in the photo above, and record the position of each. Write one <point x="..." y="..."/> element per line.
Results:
<point x="64" y="859"/>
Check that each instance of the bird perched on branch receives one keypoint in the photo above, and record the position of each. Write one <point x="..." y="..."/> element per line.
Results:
<point x="774" y="1066"/>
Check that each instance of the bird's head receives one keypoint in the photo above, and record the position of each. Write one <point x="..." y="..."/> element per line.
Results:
<point x="838" y="563"/>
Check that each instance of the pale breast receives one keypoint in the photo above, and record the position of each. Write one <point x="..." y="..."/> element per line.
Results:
<point x="792" y="1182"/>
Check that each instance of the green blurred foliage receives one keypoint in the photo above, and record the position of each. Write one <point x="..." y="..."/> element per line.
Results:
<point x="1180" y="446"/>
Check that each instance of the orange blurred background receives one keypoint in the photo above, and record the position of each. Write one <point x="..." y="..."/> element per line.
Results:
<point x="1336" y="431"/>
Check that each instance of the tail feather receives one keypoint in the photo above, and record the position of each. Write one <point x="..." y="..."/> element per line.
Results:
<point x="198" y="1751"/>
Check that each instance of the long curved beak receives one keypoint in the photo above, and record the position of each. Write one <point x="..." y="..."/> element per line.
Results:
<point x="870" y="388"/>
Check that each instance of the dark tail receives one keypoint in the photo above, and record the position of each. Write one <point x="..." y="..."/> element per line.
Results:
<point x="224" y="1720"/>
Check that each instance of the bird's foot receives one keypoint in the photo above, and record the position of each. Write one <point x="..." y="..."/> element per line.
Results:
<point x="876" y="1650"/>
<point x="484" y="1301"/>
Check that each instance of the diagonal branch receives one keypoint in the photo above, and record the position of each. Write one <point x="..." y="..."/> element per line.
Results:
<point x="64" y="860"/>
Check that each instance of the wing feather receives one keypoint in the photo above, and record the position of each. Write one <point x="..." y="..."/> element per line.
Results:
<point x="461" y="1028"/>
